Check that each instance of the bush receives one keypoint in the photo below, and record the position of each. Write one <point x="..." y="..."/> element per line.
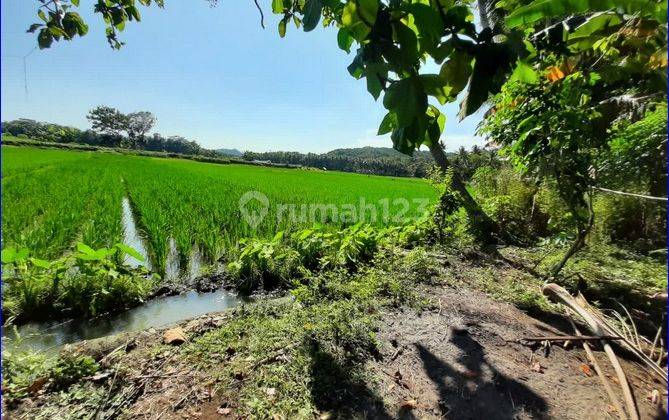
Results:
<point x="632" y="222"/>
<point x="265" y="264"/>
<point x="87" y="282"/>
<point x="509" y="200"/>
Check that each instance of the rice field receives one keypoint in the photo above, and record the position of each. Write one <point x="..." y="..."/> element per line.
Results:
<point x="52" y="199"/>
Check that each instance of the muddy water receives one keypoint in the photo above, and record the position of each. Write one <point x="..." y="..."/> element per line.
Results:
<point x="49" y="336"/>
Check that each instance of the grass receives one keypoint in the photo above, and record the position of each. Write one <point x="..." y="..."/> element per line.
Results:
<point x="53" y="198"/>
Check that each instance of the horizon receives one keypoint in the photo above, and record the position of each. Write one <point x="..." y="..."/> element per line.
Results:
<point x="263" y="104"/>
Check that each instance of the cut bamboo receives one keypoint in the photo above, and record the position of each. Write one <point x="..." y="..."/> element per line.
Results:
<point x="559" y="294"/>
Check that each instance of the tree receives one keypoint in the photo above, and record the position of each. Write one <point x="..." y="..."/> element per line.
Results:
<point x="588" y="71"/>
<point x="137" y="125"/>
<point x="107" y="120"/>
<point x="111" y="121"/>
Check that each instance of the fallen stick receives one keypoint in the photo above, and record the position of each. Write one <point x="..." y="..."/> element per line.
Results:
<point x="571" y="338"/>
<point x="600" y="373"/>
<point x="560" y="295"/>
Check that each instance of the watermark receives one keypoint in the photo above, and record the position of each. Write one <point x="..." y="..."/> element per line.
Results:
<point x="254" y="206"/>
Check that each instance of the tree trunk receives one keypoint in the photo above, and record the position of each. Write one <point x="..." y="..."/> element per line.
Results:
<point x="485" y="229"/>
<point x="578" y="244"/>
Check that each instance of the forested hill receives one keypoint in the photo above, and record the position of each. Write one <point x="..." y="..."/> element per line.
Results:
<point x="369" y="160"/>
<point x="369" y="152"/>
<point x="229" y="152"/>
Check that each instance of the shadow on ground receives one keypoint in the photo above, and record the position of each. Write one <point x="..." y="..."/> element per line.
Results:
<point x="340" y="387"/>
<point x="463" y="391"/>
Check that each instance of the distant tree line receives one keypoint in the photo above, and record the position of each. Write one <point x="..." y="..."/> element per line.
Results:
<point x="111" y="128"/>
<point x="382" y="161"/>
<point x="385" y="165"/>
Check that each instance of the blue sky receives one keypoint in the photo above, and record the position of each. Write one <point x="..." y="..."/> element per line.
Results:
<point x="209" y="74"/>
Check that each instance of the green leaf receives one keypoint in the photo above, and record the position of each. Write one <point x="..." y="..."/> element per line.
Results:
<point x="8" y="255"/>
<point x="524" y="73"/>
<point x="40" y="263"/>
<point x="130" y="251"/>
<point x="456" y="71"/>
<point x="277" y="6"/>
<point x="34" y="27"/>
<point x="595" y="23"/>
<point x="344" y="40"/>
<point x="388" y="124"/>
<point x="359" y="16"/>
<point x="42" y="15"/>
<point x="368" y="10"/>
<point x="435" y="85"/>
<point x="435" y="126"/>
<point x="282" y="28"/>
<point x="408" y="43"/>
<point x="85" y="249"/>
<point x="75" y="2"/>
<point x="312" y="14"/>
<point x="357" y="67"/>
<point x="551" y="9"/>
<point x="427" y="20"/>
<point x="407" y="99"/>
<point x="22" y="254"/>
<point x="375" y="73"/>
<point x="44" y="39"/>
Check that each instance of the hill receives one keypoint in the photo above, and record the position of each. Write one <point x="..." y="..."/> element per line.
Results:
<point x="370" y="152"/>
<point x="229" y="152"/>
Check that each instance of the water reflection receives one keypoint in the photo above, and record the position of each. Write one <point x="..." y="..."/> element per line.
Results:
<point x="155" y="313"/>
<point x="132" y="238"/>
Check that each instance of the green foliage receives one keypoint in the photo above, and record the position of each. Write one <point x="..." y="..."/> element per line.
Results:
<point x="368" y="160"/>
<point x="631" y="223"/>
<point x="264" y="264"/>
<point x="539" y="10"/>
<point x="26" y="372"/>
<point x="509" y="200"/>
<point x="87" y="282"/>
<point x="68" y="370"/>
<point x="636" y="158"/>
<point x="112" y="121"/>
<point x="275" y="263"/>
<point x="20" y="370"/>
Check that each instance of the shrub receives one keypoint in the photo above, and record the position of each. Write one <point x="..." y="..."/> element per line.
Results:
<point x="632" y="222"/>
<point x="509" y="200"/>
<point x="26" y="372"/>
<point x="265" y="264"/>
<point x="87" y="282"/>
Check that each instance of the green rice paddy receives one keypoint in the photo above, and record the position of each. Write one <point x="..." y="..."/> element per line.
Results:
<point x="52" y="199"/>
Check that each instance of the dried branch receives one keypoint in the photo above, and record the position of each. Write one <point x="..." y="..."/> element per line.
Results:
<point x="560" y="295"/>
<point x="600" y="373"/>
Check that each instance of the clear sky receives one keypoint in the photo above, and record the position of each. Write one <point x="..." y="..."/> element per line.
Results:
<point x="209" y="74"/>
